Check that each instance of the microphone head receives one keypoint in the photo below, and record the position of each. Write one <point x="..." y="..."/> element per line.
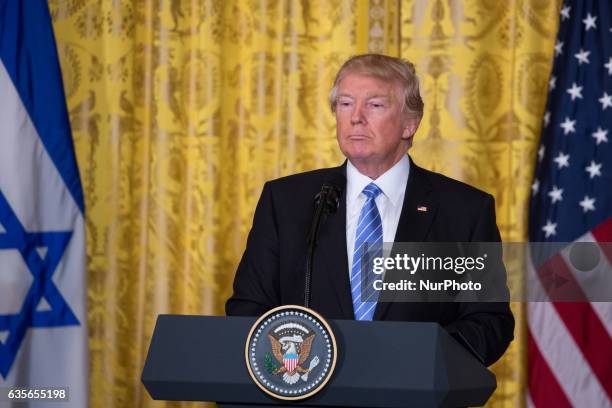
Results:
<point x="330" y="192"/>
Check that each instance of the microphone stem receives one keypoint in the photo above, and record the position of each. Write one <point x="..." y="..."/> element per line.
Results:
<point x="312" y="243"/>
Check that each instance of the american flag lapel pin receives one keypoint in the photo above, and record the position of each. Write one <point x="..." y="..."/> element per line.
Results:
<point x="422" y="208"/>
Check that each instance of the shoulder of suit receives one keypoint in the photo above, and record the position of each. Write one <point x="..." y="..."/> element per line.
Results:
<point x="449" y="187"/>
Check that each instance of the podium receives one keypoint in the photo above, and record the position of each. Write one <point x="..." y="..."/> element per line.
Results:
<point x="380" y="364"/>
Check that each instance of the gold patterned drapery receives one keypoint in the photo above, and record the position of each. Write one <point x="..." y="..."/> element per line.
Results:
<point x="484" y="68"/>
<point x="181" y="109"/>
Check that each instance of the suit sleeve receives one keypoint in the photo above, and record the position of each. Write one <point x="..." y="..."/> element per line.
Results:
<point x="256" y="284"/>
<point x="488" y="327"/>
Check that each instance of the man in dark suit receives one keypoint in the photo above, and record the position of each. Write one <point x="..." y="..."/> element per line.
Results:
<point x="386" y="197"/>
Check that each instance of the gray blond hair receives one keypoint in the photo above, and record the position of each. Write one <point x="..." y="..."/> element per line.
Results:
<point x="385" y="68"/>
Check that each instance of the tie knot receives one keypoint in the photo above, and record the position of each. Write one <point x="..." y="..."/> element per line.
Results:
<point x="371" y="191"/>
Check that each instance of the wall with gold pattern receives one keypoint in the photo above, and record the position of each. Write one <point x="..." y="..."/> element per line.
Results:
<point x="181" y="110"/>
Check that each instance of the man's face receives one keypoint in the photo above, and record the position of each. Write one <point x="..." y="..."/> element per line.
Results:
<point x="372" y="131"/>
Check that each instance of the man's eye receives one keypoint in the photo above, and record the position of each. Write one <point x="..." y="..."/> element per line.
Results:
<point x="344" y="103"/>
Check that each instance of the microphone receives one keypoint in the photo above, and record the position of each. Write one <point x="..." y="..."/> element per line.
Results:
<point x="329" y="197"/>
<point x="326" y="202"/>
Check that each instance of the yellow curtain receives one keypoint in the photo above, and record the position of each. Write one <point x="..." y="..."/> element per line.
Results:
<point x="484" y="68"/>
<point x="181" y="110"/>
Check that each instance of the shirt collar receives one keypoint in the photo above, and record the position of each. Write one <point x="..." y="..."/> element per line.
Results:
<point x="392" y="182"/>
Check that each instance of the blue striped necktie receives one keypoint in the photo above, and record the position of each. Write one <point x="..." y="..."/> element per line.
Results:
<point x="369" y="233"/>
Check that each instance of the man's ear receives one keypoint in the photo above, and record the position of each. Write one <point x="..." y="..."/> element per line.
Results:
<point x="412" y="124"/>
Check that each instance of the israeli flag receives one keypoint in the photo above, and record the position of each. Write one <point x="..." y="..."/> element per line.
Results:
<point x="43" y="313"/>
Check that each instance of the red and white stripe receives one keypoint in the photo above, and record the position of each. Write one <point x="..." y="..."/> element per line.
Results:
<point x="290" y="364"/>
<point x="570" y="343"/>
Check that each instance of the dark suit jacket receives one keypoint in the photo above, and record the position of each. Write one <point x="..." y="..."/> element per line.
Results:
<point x="271" y="272"/>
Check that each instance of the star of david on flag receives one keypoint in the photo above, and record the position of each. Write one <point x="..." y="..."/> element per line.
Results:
<point x="43" y="305"/>
<point x="43" y="313"/>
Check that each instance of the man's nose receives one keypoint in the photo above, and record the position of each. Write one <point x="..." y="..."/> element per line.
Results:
<point x="357" y="116"/>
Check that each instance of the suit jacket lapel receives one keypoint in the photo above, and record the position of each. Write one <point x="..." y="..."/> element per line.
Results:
<point x="418" y="211"/>
<point x="419" y="208"/>
<point x="332" y="247"/>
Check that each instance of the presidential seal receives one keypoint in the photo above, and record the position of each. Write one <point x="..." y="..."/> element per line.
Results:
<point x="291" y="352"/>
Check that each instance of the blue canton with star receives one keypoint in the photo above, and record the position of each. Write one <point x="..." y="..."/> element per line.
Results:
<point x="572" y="188"/>
<point x="15" y="237"/>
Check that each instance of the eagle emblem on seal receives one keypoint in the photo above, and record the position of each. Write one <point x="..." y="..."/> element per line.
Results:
<point x="290" y="352"/>
<point x="291" y="344"/>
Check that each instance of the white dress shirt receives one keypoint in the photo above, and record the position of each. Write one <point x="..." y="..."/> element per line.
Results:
<point x="389" y="203"/>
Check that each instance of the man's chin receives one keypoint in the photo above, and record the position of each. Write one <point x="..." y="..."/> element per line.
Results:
<point x="357" y="151"/>
<point x="359" y="157"/>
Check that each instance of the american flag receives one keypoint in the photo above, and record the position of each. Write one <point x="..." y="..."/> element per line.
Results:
<point x="570" y="344"/>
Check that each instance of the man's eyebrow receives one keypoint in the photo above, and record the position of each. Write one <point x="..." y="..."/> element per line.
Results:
<point x="385" y="96"/>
